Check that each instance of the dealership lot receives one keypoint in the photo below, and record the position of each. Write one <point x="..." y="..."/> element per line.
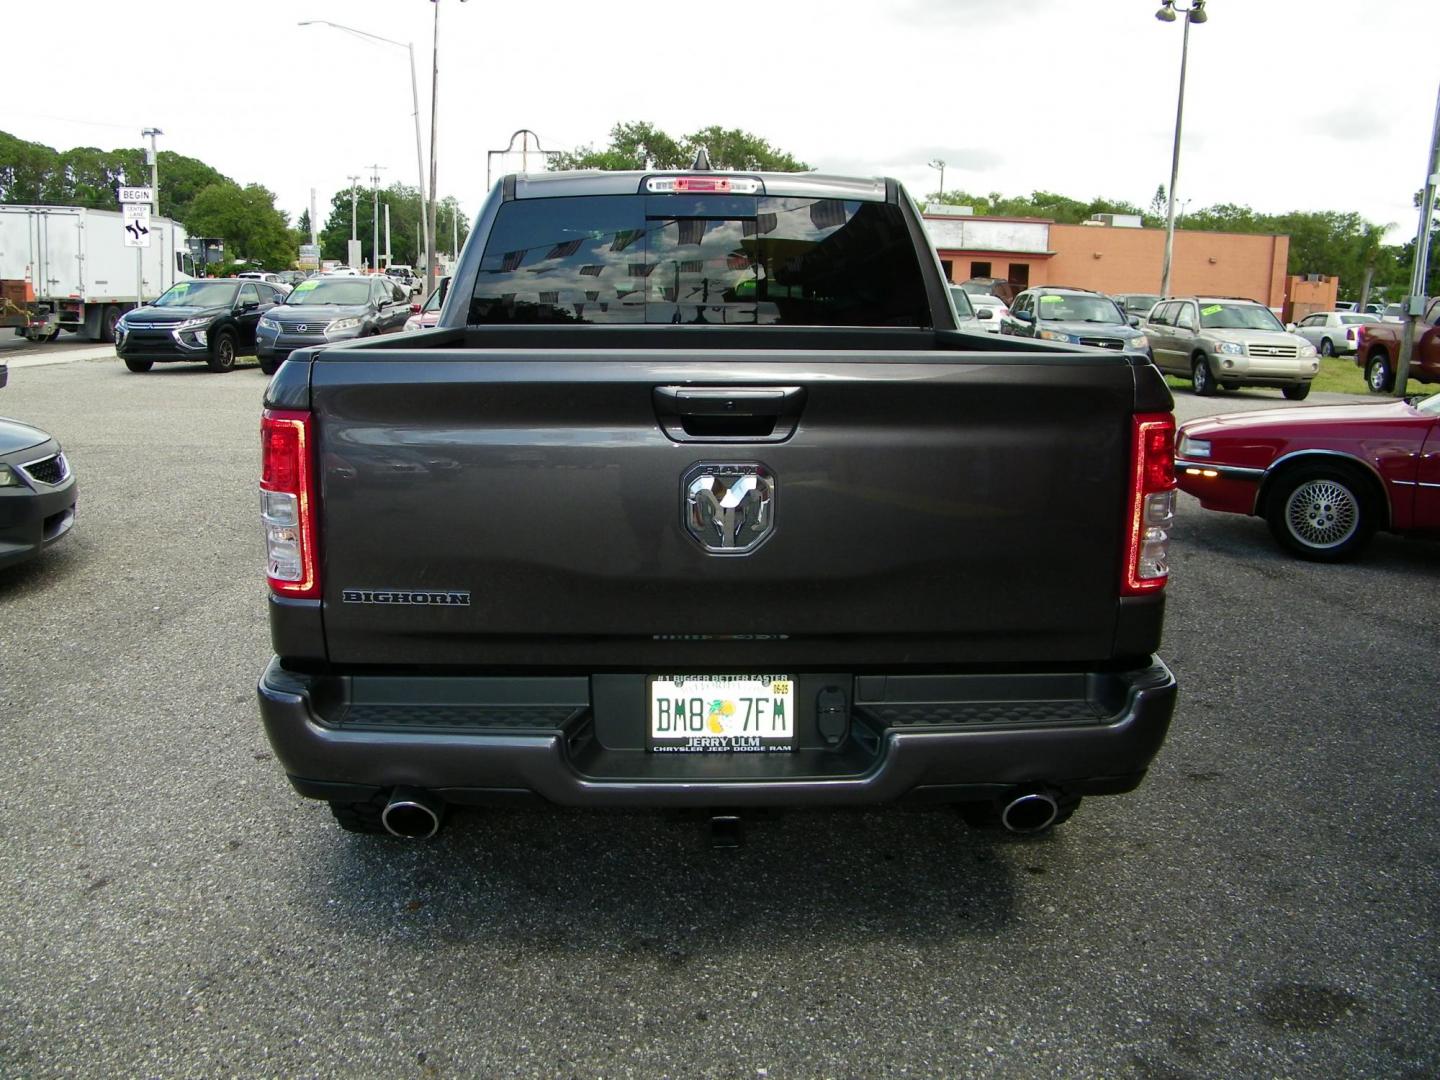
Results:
<point x="1264" y="905"/>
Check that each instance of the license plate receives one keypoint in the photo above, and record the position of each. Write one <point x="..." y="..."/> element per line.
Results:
<point x="698" y="714"/>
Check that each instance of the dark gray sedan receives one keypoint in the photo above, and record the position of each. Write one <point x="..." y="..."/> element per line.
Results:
<point x="37" y="491"/>
<point x="322" y="310"/>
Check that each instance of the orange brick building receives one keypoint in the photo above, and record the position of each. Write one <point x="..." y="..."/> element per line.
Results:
<point x="1110" y="258"/>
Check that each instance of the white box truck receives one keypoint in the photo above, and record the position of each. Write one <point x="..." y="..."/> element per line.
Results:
<point x="76" y="272"/>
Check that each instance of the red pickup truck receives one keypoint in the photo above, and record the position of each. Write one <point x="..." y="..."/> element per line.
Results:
<point x="1378" y="350"/>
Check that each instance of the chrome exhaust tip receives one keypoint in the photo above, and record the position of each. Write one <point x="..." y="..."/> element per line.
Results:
<point x="1030" y="812"/>
<point x="412" y="814"/>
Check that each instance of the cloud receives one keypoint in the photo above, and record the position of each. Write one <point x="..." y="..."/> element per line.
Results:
<point x="957" y="160"/>
<point x="1356" y="122"/>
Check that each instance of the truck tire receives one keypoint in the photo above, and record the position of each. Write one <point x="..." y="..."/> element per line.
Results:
<point x="1296" y="393"/>
<point x="108" y="320"/>
<point x="1322" y="512"/>
<point x="1201" y="376"/>
<point x="139" y="367"/>
<point x="222" y="351"/>
<point x="1378" y="376"/>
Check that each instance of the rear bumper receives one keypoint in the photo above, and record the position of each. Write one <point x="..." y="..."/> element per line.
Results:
<point x="486" y="740"/>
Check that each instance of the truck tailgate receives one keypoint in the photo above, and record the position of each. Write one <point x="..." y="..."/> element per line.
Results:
<point x="928" y="510"/>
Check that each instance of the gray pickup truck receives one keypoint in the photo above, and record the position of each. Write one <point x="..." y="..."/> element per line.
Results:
<point x="697" y="498"/>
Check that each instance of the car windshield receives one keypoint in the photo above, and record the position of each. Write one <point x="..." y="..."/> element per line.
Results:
<point x="963" y="308"/>
<point x="1429" y="405"/>
<point x="198" y="294"/>
<point x="1090" y="309"/>
<point x="1238" y="317"/>
<point x="1348" y="319"/>
<point x="436" y="299"/>
<point x="329" y="291"/>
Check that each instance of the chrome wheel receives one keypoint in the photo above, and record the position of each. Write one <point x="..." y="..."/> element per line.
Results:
<point x="1201" y="377"/>
<point x="1377" y="374"/>
<point x="1322" y="513"/>
<point x="1326" y="349"/>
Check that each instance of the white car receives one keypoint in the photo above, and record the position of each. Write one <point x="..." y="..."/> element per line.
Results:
<point x="966" y="316"/>
<point x="1333" y="333"/>
<point x="998" y="309"/>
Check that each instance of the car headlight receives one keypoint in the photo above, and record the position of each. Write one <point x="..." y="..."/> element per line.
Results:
<point x="340" y="325"/>
<point x="1194" y="448"/>
<point x="8" y="478"/>
<point x="1140" y="341"/>
<point x="193" y="324"/>
<point x="1307" y="350"/>
<point x="1059" y="335"/>
<point x="267" y="323"/>
<point x="1231" y="348"/>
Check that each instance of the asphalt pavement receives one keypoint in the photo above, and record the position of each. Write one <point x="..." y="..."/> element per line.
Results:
<point x="1265" y="905"/>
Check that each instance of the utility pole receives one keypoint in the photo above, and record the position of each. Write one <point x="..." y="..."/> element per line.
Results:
<point x="389" y="258"/>
<point x="375" y="217"/>
<point x="314" y="228"/>
<point x="455" y="231"/>
<point x="434" y="114"/>
<point x="1420" y="269"/>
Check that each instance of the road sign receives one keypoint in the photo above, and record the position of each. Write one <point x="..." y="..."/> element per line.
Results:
<point x="136" y="195"/>
<point x="137" y="225"/>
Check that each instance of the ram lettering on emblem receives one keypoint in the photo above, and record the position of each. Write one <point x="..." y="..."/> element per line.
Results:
<point x="729" y="508"/>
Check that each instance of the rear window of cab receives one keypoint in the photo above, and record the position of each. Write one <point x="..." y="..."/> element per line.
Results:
<point x="700" y="260"/>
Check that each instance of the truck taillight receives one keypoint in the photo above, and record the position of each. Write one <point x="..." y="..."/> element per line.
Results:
<point x="1151" y="510"/>
<point x="287" y="503"/>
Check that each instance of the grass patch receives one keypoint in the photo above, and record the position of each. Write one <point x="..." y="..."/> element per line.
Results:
<point x="1337" y="375"/>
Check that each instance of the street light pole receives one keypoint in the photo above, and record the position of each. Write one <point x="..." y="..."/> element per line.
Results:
<point x="938" y="164"/>
<point x="414" y="98"/>
<point x="353" y="180"/>
<point x="1195" y="13"/>
<point x="150" y="133"/>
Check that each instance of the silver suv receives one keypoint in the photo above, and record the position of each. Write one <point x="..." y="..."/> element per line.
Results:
<point x="1222" y="342"/>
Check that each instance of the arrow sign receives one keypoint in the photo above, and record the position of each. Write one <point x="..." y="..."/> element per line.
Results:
<point x="137" y="225"/>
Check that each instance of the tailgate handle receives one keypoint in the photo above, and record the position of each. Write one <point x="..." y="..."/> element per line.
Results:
<point x="729" y="413"/>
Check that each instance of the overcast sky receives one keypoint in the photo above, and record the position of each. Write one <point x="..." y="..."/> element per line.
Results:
<point x="1290" y="104"/>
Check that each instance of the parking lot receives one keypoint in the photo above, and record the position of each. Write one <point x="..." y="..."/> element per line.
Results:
<point x="1264" y="905"/>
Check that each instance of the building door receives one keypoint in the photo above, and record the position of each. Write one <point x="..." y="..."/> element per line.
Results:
<point x="1019" y="275"/>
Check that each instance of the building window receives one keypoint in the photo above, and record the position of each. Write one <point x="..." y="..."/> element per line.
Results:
<point x="1019" y="275"/>
<point x="949" y="267"/>
<point x="979" y="269"/>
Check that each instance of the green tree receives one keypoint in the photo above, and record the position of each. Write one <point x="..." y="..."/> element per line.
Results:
<point x="404" y="204"/>
<point x="642" y="145"/>
<point x="246" y="219"/>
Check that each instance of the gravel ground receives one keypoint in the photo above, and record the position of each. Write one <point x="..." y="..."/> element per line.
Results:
<point x="1264" y="905"/>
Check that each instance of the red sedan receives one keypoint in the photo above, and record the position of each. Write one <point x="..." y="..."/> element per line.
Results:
<point x="1325" y="478"/>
